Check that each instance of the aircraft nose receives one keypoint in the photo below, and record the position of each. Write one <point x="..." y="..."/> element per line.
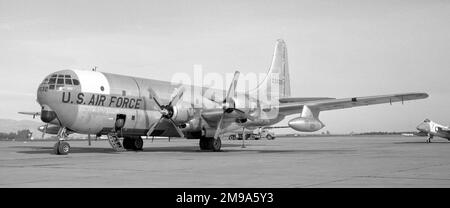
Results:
<point x="423" y="127"/>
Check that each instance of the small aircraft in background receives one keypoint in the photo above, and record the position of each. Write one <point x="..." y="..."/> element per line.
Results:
<point x="431" y="129"/>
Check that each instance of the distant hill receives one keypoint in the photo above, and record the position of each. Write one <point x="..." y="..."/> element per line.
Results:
<point x="9" y="125"/>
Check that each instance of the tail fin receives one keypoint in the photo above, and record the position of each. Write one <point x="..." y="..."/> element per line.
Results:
<point x="276" y="84"/>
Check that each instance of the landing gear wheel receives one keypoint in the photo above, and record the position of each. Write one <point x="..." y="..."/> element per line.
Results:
<point x="204" y="144"/>
<point x="215" y="144"/>
<point x="133" y="143"/>
<point x="61" y="148"/>
<point x="127" y="143"/>
<point x="138" y="144"/>
<point x="269" y="137"/>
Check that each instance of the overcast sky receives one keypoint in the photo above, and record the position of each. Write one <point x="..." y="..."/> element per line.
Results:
<point x="336" y="49"/>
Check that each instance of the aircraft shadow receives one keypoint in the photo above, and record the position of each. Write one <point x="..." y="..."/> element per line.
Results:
<point x="184" y="149"/>
<point x="109" y="150"/>
<point x="49" y="150"/>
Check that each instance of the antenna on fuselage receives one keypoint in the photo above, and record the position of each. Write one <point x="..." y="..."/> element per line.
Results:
<point x="95" y="68"/>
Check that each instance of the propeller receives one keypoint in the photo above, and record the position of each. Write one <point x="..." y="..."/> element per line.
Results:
<point x="228" y="104"/>
<point x="167" y="111"/>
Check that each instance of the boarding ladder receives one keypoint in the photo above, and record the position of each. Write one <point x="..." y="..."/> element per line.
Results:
<point x="115" y="142"/>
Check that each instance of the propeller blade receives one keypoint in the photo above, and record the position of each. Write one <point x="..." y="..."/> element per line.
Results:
<point x="150" y="131"/>
<point x="232" y="90"/>
<point x="180" y="133"/>
<point x="228" y="100"/>
<point x="177" y="97"/>
<point x="157" y="103"/>
<point x="219" y="127"/>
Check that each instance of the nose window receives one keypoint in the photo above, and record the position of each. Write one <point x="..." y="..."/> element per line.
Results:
<point x="57" y="81"/>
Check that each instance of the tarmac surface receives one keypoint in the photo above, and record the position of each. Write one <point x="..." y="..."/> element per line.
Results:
<point x="362" y="161"/>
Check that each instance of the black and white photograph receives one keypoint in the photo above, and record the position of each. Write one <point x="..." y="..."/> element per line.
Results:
<point x="224" y="94"/>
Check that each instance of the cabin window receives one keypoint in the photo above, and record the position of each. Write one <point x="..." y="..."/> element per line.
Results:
<point x="52" y="87"/>
<point x="68" y="82"/>
<point x="76" y="82"/>
<point x="60" y="81"/>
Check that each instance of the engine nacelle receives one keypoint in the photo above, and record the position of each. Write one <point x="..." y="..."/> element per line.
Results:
<point x="305" y="124"/>
<point x="182" y="115"/>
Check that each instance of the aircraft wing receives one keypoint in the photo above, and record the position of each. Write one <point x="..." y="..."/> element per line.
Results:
<point x="333" y="104"/>
<point x="302" y="99"/>
<point x="213" y="115"/>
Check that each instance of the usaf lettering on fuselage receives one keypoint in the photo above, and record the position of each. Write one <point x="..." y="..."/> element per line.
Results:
<point x="102" y="100"/>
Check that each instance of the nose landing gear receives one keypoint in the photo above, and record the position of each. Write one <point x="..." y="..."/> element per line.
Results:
<point x="61" y="147"/>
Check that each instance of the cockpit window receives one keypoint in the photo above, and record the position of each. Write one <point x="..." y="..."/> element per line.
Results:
<point x="58" y="81"/>
<point x="52" y="81"/>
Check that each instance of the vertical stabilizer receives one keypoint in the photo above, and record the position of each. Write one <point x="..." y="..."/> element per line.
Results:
<point x="276" y="84"/>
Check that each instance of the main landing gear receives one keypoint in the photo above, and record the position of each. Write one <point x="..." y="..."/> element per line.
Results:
<point x="133" y="143"/>
<point x="61" y="147"/>
<point x="429" y="138"/>
<point x="210" y="143"/>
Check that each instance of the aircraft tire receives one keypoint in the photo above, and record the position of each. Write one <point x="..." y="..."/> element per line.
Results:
<point x="133" y="143"/>
<point x="138" y="144"/>
<point x="127" y="143"/>
<point x="63" y="148"/>
<point x="203" y="143"/>
<point x="215" y="144"/>
<point x="56" y="148"/>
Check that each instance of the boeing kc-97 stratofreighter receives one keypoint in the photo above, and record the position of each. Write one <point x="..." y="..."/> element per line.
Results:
<point x="431" y="129"/>
<point x="93" y="102"/>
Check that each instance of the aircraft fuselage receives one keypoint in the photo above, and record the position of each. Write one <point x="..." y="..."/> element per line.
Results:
<point x="88" y="102"/>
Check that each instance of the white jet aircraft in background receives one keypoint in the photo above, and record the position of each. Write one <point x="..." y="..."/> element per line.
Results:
<point x="431" y="129"/>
